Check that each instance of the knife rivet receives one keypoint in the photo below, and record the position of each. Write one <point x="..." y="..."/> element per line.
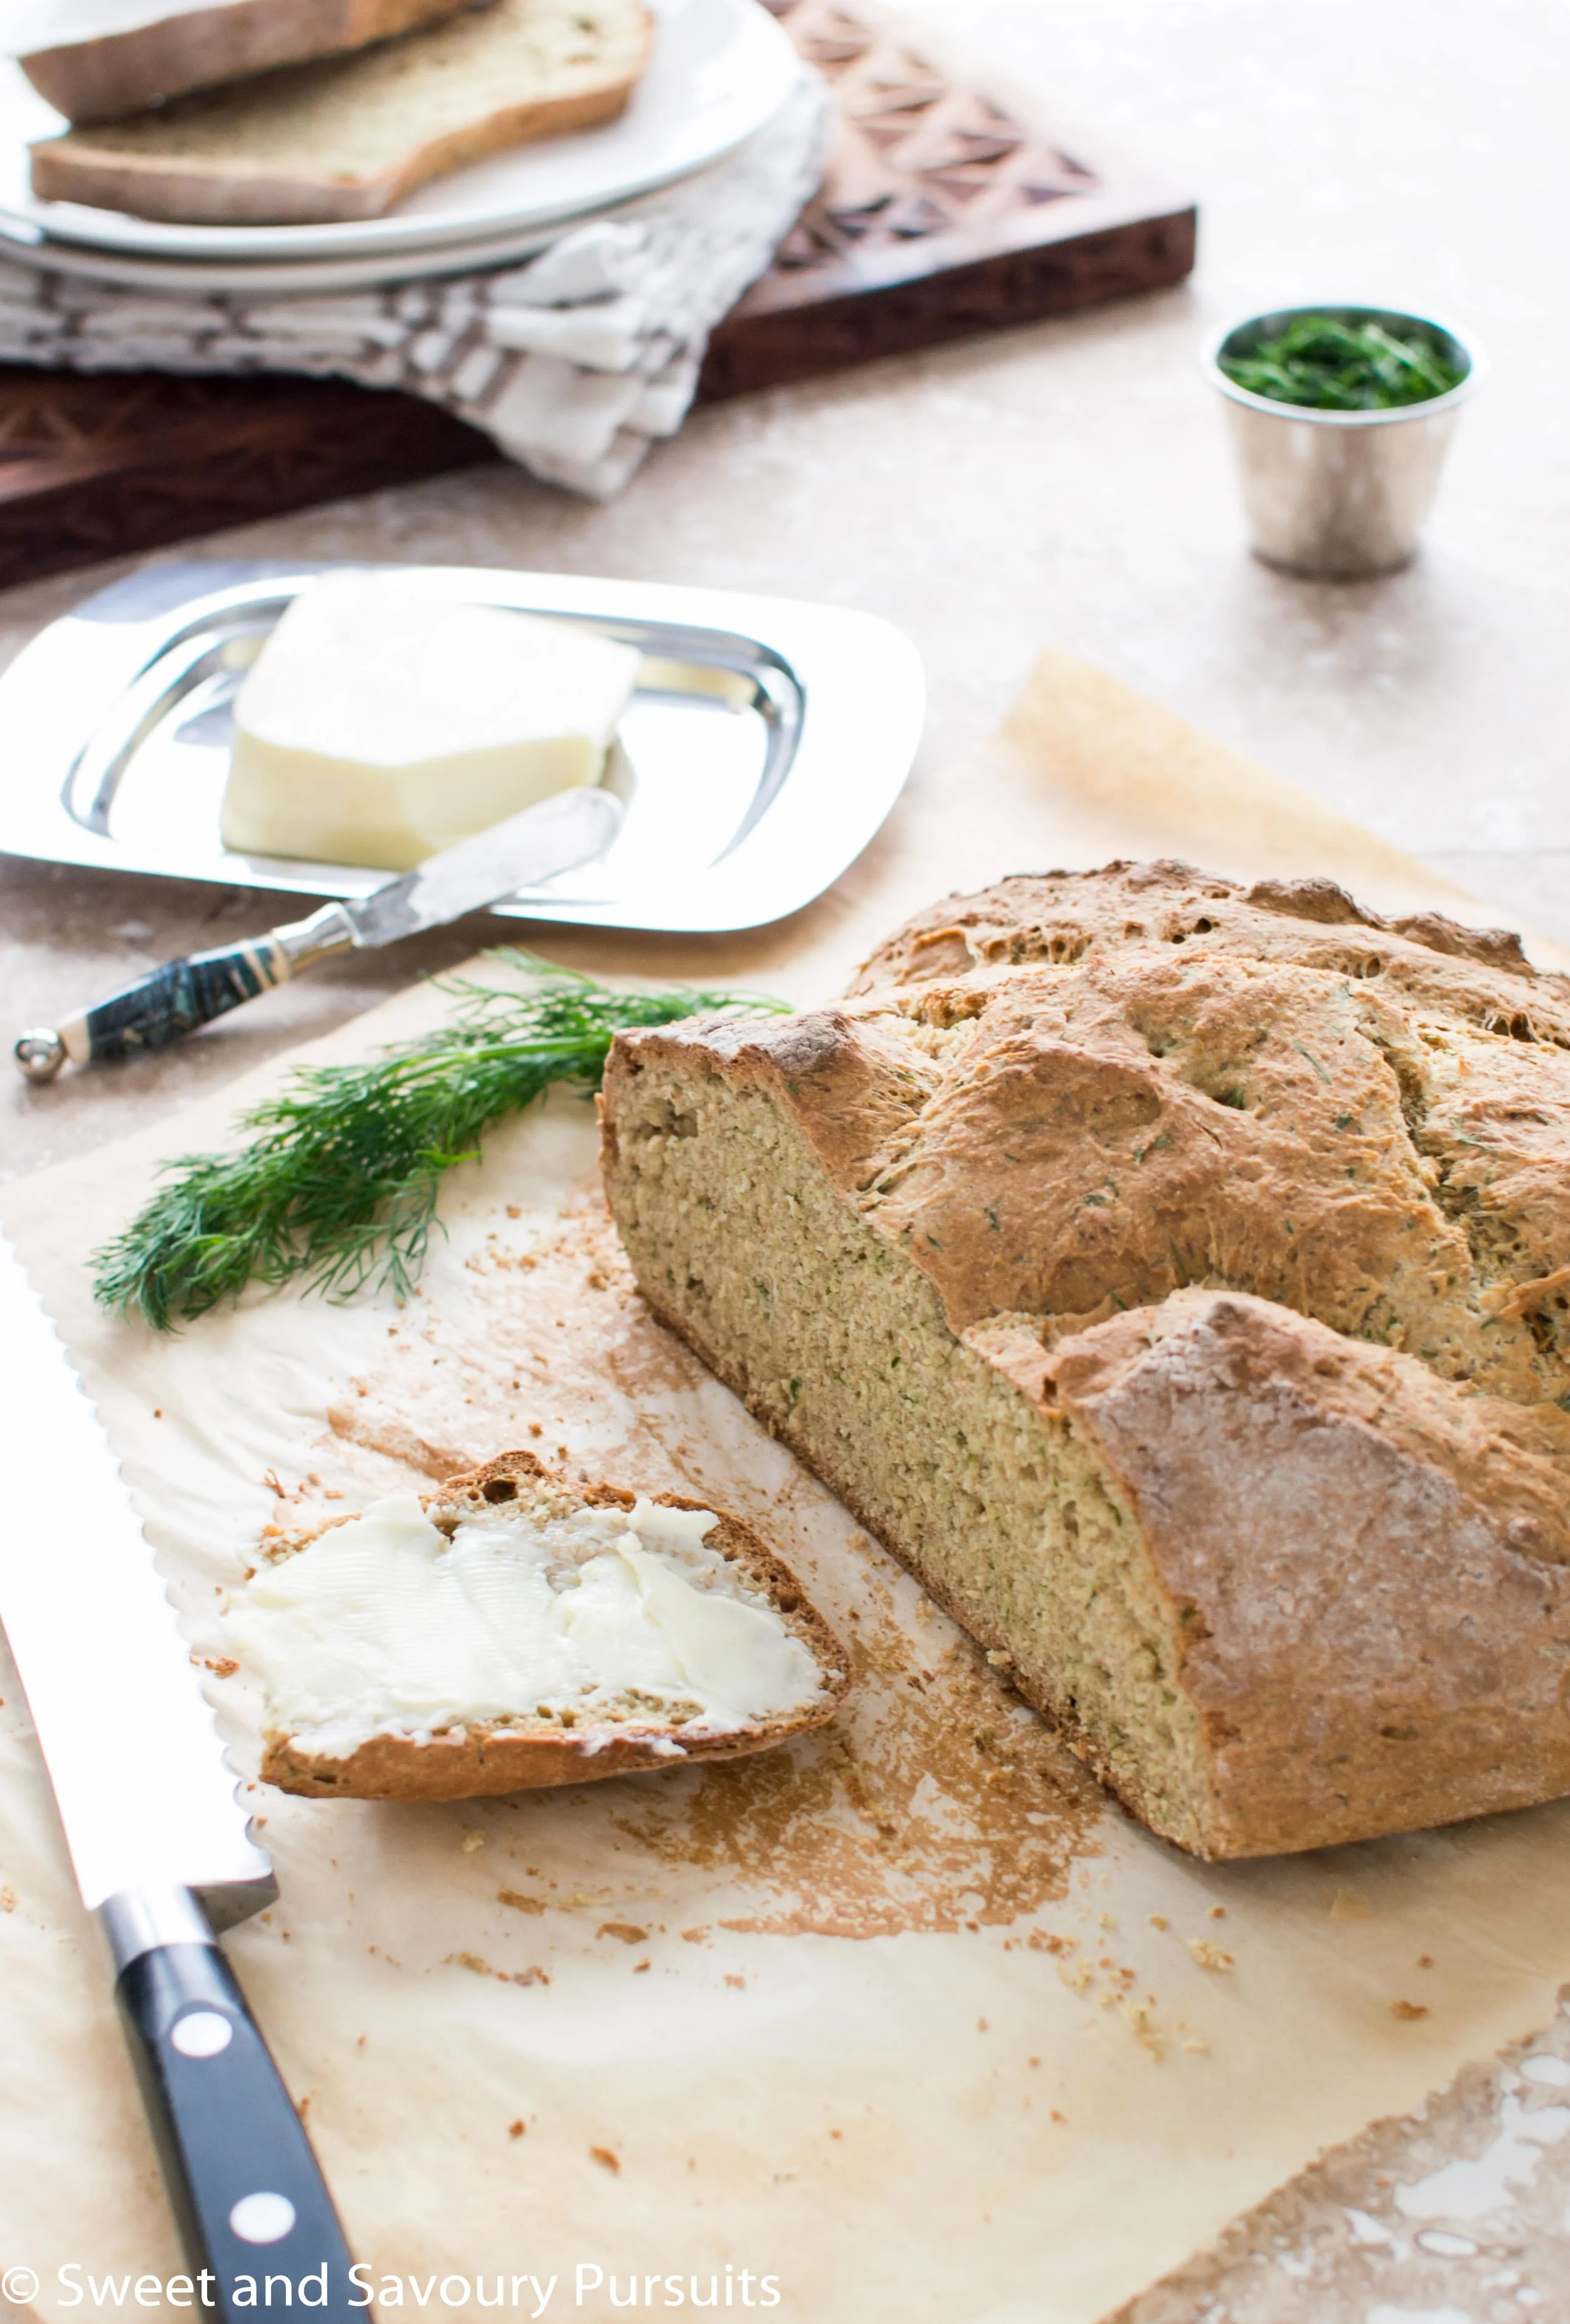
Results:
<point x="262" y="2217"/>
<point x="201" y="2033"/>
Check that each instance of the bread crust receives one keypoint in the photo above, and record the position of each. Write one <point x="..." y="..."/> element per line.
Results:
<point x="480" y="1763"/>
<point x="125" y="72"/>
<point x="108" y="171"/>
<point x="1266" y="1200"/>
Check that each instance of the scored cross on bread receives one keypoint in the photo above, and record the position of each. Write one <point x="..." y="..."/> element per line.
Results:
<point x="1177" y="1277"/>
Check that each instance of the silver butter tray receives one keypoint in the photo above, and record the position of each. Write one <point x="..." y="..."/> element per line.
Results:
<point x="766" y="741"/>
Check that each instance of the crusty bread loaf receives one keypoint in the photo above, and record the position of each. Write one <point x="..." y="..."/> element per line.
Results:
<point x="1178" y="1279"/>
<point x="541" y="1747"/>
<point x="118" y="70"/>
<point x="349" y="137"/>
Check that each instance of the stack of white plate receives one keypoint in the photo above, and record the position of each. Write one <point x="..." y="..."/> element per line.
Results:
<point x="720" y="70"/>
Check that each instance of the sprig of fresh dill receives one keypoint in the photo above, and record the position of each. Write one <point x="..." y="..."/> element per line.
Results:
<point x="337" y="1183"/>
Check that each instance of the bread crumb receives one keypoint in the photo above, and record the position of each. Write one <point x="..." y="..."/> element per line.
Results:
<point x="1058" y="2118"/>
<point x="7" y="1899"/>
<point x="1199" y="2049"/>
<point x="1424" y="1960"/>
<point x="1032" y="2061"/>
<point x="626" y="1932"/>
<point x="513" y="1211"/>
<point x="1159" y="1920"/>
<point x="1409" y="2010"/>
<point x="639" y="1967"/>
<point x="535" y="1429"/>
<point x="1209" y="1956"/>
<point x="606" y="2159"/>
<point x="1346" y="1906"/>
<point x="514" y="2130"/>
<point x="836" y="2134"/>
<point x="981" y="2024"/>
<point x="1216" y="1912"/>
<point x="695" y="1936"/>
<point x="471" y="1841"/>
<point x="221" y="1665"/>
<point x="519" y="1901"/>
<point x="739" y="1982"/>
<point x="1106" y="1922"/>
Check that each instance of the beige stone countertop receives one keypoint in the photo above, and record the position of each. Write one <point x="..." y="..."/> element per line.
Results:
<point x="1072" y="482"/>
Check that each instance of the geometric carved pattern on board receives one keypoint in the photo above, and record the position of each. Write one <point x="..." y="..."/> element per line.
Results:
<point x="916" y="151"/>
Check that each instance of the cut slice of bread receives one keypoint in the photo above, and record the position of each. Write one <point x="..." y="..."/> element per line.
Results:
<point x="416" y="1750"/>
<point x="349" y="137"/>
<point x="109" y="58"/>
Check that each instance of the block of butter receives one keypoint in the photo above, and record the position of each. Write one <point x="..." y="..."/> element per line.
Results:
<point x="378" y="728"/>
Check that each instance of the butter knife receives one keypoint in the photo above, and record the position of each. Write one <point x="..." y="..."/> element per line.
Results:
<point x="570" y="828"/>
<point x="163" y="1851"/>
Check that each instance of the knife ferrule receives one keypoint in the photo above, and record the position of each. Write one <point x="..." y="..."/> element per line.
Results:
<point x="299" y="945"/>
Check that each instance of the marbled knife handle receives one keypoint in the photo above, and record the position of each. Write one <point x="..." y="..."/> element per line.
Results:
<point x="175" y="999"/>
<point x="183" y="995"/>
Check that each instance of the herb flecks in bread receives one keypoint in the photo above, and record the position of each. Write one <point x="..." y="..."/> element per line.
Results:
<point x="350" y="136"/>
<point x="1173" y="1276"/>
<point x="514" y="1631"/>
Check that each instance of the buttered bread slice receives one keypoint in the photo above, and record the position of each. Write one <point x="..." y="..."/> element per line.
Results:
<point x="351" y="136"/>
<point x="514" y="1631"/>
<point x="98" y="59"/>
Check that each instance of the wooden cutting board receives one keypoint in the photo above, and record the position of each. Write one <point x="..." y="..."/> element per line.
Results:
<point x="947" y="209"/>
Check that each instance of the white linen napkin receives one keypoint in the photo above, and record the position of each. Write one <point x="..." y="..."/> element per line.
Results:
<point x="573" y="361"/>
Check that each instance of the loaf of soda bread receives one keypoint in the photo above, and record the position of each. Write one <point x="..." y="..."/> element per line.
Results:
<point x="1177" y="1277"/>
<point x="358" y="1676"/>
<point x="96" y="59"/>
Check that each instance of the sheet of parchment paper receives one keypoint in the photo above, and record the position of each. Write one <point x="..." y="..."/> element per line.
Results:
<point x="901" y="2022"/>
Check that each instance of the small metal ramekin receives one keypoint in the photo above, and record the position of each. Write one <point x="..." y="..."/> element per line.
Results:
<point x="1339" y="495"/>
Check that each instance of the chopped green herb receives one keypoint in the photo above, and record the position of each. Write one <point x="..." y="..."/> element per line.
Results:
<point x="1328" y="365"/>
<point x="337" y="1182"/>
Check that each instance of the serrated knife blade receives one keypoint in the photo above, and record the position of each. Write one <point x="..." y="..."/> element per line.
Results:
<point x="160" y="1844"/>
<point x="132" y="1751"/>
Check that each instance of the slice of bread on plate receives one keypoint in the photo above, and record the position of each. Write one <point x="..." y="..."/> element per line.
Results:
<point x="514" y="1631"/>
<point x="98" y="59"/>
<point x="350" y="137"/>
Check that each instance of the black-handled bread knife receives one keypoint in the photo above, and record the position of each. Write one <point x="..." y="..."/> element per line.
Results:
<point x="570" y="828"/>
<point x="163" y="1851"/>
